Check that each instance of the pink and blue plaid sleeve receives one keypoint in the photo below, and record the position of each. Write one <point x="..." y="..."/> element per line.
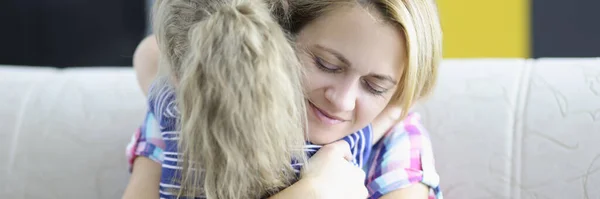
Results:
<point x="146" y="141"/>
<point x="404" y="156"/>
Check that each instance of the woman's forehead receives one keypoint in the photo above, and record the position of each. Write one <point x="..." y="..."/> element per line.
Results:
<point x="369" y="45"/>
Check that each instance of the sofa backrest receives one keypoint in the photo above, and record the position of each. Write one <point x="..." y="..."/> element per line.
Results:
<point x="501" y="128"/>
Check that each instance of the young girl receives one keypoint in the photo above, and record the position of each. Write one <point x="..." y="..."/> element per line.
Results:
<point x="361" y="59"/>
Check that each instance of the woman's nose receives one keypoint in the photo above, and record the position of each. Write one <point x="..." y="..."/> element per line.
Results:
<point x="343" y="96"/>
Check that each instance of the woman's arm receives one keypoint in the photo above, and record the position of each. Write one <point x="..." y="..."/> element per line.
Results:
<point x="144" y="180"/>
<point x="145" y="172"/>
<point x="144" y="154"/>
<point x="304" y="188"/>
<point x="403" y="165"/>
<point x="415" y="191"/>
<point x="299" y="190"/>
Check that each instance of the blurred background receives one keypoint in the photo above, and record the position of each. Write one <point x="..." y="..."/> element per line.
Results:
<point x="500" y="128"/>
<point x="520" y="28"/>
<point x="105" y="33"/>
<point x="67" y="33"/>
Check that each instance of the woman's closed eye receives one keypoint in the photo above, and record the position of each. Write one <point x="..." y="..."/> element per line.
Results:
<point x="326" y="66"/>
<point x="369" y="85"/>
<point x="374" y="88"/>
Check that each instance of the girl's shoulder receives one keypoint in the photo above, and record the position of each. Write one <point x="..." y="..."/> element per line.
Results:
<point x="162" y="103"/>
<point x="404" y="156"/>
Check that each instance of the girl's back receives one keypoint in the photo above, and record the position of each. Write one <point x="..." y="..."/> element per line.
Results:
<point x="239" y="106"/>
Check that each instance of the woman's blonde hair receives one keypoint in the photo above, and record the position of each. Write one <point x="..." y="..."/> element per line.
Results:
<point x="239" y="93"/>
<point x="416" y="19"/>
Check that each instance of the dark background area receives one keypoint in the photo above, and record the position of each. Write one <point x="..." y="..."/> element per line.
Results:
<point x="67" y="33"/>
<point x="566" y="28"/>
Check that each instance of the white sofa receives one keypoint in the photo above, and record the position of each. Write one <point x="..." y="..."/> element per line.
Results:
<point x="501" y="128"/>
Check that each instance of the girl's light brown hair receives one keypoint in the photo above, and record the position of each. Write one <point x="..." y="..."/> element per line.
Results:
<point x="239" y="94"/>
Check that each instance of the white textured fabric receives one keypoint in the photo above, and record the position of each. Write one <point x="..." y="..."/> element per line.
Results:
<point x="501" y="128"/>
<point x="519" y="129"/>
<point x="63" y="132"/>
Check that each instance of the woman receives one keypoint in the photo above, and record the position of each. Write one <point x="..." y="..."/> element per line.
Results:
<point x="362" y="59"/>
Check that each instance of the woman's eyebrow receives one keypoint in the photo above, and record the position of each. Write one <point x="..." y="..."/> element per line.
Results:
<point x="337" y="55"/>
<point x="385" y="78"/>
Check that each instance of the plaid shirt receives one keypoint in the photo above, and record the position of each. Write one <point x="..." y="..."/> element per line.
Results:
<point x="402" y="157"/>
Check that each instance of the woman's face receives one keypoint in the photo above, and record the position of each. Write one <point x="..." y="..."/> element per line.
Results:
<point x="353" y="62"/>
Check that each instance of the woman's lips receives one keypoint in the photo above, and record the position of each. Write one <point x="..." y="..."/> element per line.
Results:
<point x="325" y="117"/>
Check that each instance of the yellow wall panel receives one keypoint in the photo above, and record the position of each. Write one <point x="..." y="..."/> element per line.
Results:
<point x="485" y="28"/>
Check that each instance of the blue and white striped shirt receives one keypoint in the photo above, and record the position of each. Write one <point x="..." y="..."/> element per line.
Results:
<point x="162" y="105"/>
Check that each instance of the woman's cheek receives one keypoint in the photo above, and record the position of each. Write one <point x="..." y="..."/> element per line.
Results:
<point x="369" y="108"/>
<point x="315" y="78"/>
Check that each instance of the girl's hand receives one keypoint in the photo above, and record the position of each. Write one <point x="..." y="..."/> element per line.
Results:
<point x="331" y="174"/>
